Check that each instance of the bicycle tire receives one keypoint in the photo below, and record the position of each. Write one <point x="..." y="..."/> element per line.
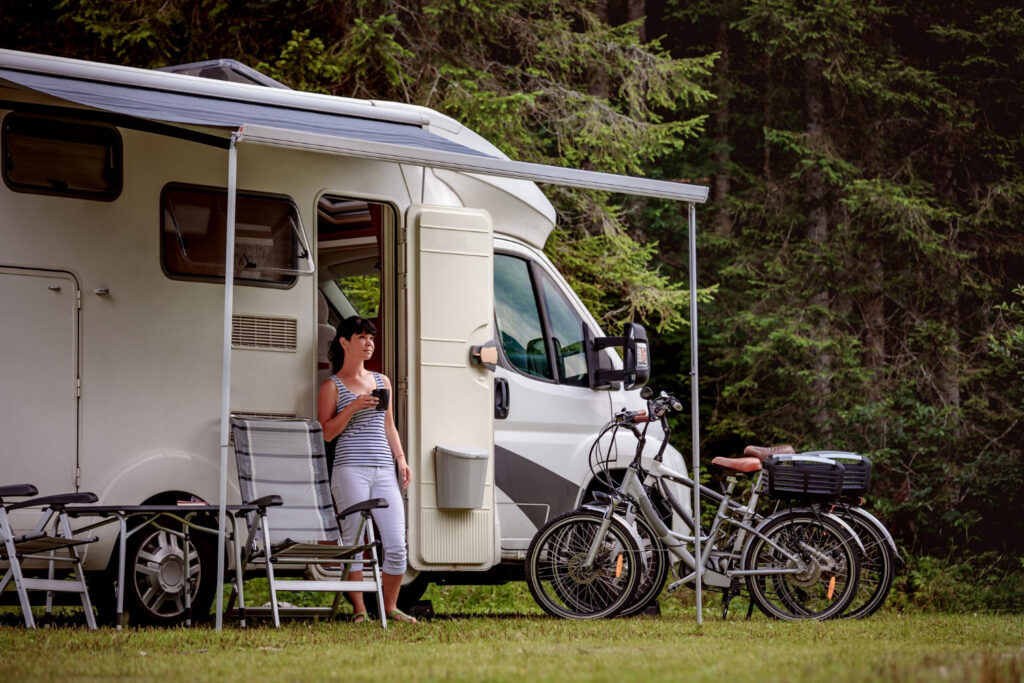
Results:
<point x="877" y="566"/>
<point x="562" y="586"/>
<point x="652" y="580"/>
<point x="829" y="559"/>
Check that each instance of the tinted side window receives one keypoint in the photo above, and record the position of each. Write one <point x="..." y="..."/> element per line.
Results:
<point x="64" y="158"/>
<point x="193" y="225"/>
<point x="518" y="317"/>
<point x="567" y="329"/>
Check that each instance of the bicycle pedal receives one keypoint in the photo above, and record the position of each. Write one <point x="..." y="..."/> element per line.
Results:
<point x="673" y="587"/>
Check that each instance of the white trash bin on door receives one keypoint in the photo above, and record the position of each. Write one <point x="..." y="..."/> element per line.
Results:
<point x="461" y="474"/>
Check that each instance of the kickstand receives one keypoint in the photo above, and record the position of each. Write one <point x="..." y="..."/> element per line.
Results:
<point x="750" y="608"/>
<point x="727" y="597"/>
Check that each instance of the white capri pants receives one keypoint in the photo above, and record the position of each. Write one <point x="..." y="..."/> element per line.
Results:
<point x="351" y="485"/>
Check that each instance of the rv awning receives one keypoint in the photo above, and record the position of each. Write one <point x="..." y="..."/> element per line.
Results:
<point x="286" y="118"/>
<point x="484" y="165"/>
<point x="197" y="109"/>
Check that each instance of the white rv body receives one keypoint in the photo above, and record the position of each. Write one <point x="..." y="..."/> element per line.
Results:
<point x="110" y="369"/>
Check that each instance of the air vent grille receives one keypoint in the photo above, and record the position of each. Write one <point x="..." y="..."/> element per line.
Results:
<point x="263" y="333"/>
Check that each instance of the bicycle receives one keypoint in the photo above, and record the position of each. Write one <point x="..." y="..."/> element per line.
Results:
<point x="610" y="557"/>
<point x="878" y="565"/>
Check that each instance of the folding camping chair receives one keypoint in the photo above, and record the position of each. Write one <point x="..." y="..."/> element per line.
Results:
<point x="286" y="458"/>
<point x="39" y="544"/>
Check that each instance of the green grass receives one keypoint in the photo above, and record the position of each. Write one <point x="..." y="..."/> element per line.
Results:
<point x="470" y="640"/>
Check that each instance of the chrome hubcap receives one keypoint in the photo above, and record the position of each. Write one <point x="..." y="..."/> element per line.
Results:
<point x="161" y="574"/>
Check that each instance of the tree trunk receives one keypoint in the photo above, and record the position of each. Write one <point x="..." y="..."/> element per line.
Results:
<point x="637" y="9"/>
<point x="817" y="227"/>
<point x="599" y="86"/>
<point x="721" y="219"/>
<point x="874" y="319"/>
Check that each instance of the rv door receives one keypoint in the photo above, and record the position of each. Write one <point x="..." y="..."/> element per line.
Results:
<point x="39" y="378"/>
<point x="451" y="430"/>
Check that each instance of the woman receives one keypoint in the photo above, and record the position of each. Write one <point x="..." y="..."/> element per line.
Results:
<point x="366" y="455"/>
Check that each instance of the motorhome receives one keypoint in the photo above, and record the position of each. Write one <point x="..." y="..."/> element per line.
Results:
<point x="116" y="189"/>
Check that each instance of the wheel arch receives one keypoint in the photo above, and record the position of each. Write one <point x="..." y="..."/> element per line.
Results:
<point x="160" y="477"/>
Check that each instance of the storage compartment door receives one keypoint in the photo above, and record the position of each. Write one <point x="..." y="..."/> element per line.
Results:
<point x="451" y="297"/>
<point x="38" y="379"/>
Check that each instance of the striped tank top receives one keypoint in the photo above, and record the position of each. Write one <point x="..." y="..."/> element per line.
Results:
<point x="364" y="443"/>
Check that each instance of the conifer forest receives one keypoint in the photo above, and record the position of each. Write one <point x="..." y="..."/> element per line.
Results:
<point x="861" y="258"/>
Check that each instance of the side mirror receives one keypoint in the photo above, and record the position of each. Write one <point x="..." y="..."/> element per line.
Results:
<point x="636" y="362"/>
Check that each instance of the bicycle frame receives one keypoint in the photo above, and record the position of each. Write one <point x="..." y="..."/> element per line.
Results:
<point x="633" y="493"/>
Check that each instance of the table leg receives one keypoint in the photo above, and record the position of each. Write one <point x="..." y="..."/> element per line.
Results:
<point x="119" y="588"/>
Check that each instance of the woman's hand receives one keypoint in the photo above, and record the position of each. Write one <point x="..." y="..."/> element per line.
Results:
<point x="404" y="473"/>
<point x="363" y="401"/>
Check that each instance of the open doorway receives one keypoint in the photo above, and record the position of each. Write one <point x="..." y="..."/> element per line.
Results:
<point x="355" y="276"/>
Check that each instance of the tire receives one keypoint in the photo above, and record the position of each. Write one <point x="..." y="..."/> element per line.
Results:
<point x="155" y="576"/>
<point x="877" y="566"/>
<point x="562" y="587"/>
<point x="652" y="579"/>
<point x="828" y="556"/>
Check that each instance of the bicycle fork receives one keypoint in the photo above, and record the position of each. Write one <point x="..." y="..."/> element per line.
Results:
<point x="595" y="545"/>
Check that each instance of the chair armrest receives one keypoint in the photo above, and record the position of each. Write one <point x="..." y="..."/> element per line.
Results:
<point x="268" y="501"/>
<point x="18" y="490"/>
<point x="372" y="504"/>
<point x="56" y="501"/>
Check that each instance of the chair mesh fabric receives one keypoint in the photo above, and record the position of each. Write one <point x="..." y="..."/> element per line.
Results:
<point x="286" y="458"/>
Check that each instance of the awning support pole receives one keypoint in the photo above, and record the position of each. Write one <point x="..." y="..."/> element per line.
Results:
<point x="694" y="405"/>
<point x="225" y="382"/>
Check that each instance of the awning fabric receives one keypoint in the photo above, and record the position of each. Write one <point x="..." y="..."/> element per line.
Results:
<point x="337" y="127"/>
<point x="484" y="165"/>
<point x="178" y="107"/>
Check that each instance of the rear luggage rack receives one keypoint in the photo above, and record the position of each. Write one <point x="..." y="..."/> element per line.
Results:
<point x="857" y="471"/>
<point x="804" y="476"/>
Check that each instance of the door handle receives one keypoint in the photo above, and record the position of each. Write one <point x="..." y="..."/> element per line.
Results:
<point x="500" y="398"/>
<point x="485" y="355"/>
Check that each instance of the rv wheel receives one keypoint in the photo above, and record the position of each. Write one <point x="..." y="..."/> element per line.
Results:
<point x="411" y="592"/>
<point x="156" y="576"/>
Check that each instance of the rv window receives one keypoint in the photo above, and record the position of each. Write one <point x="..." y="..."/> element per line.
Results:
<point x="362" y="292"/>
<point x="193" y="223"/>
<point x="518" y="317"/>
<point x="64" y="158"/>
<point x="567" y="330"/>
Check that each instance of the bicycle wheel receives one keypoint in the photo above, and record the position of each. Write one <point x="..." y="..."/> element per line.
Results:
<point x="653" y="577"/>
<point x="877" y="565"/>
<point x="821" y="569"/>
<point x="558" y="579"/>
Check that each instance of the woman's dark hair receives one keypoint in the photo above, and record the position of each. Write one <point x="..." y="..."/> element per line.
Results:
<point x="347" y="327"/>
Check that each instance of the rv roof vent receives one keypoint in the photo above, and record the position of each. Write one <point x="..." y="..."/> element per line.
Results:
<point x="263" y="333"/>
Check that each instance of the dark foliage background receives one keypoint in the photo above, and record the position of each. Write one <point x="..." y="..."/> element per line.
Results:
<point x="863" y="252"/>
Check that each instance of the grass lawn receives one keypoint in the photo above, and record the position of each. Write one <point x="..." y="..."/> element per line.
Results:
<point x="465" y="642"/>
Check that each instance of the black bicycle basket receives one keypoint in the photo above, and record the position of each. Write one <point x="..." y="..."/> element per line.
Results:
<point x="804" y="476"/>
<point x="856" y="474"/>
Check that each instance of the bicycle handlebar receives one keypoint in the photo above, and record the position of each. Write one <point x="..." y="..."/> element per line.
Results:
<point x="632" y="416"/>
<point x="657" y="408"/>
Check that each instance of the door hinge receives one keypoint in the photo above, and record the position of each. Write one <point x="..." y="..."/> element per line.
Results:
<point x="78" y="299"/>
<point x="402" y="385"/>
<point x="78" y="387"/>
<point x="78" y="478"/>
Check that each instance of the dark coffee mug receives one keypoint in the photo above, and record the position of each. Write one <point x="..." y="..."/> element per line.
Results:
<point x="382" y="398"/>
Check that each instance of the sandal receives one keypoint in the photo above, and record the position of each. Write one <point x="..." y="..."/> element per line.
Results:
<point x="359" y="618"/>
<point x="401" y="617"/>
